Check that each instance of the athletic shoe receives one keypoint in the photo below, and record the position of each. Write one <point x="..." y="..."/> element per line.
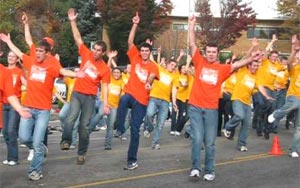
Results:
<point x="35" y="175"/>
<point x="226" y="133"/>
<point x="195" y="173"/>
<point x="177" y="133"/>
<point x="172" y="133"/>
<point x="209" y="177"/>
<point x="271" y="118"/>
<point x="5" y="162"/>
<point x="243" y="148"/>
<point x="146" y="134"/>
<point x="12" y="163"/>
<point x="156" y="146"/>
<point x="80" y="159"/>
<point x="131" y="166"/>
<point x="294" y="154"/>
<point x="64" y="145"/>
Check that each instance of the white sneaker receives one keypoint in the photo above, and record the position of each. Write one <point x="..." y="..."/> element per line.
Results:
<point x="30" y="155"/>
<point x="243" y="148"/>
<point x="12" y="163"/>
<point x="5" y="162"/>
<point x="146" y="134"/>
<point x="271" y="118"/>
<point x="172" y="133"/>
<point x="103" y="128"/>
<point x="226" y="133"/>
<point x="195" y="173"/>
<point x="292" y="154"/>
<point x="209" y="177"/>
<point x="22" y="146"/>
<point x="156" y="146"/>
<point x="177" y="133"/>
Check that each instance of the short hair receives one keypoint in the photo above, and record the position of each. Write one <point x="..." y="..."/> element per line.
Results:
<point x="145" y="45"/>
<point x="273" y="52"/>
<point x="172" y="60"/>
<point x="102" y="44"/>
<point x="44" y="44"/>
<point x="211" y="44"/>
<point x="116" y="68"/>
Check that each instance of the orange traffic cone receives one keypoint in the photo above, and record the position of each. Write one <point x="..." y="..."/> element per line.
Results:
<point x="276" y="150"/>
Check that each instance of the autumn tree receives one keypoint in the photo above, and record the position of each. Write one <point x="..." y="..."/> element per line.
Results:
<point x="117" y="15"/>
<point x="235" y="16"/>
<point x="290" y="9"/>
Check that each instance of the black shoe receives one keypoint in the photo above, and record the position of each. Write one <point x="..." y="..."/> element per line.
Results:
<point x="186" y="135"/>
<point x="64" y="145"/>
<point x="267" y="136"/>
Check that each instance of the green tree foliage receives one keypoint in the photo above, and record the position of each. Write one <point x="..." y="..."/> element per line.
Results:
<point x="117" y="14"/>
<point x="291" y="10"/>
<point x="235" y="16"/>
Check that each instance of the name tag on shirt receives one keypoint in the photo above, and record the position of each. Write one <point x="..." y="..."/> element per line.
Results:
<point x="38" y="74"/>
<point x="209" y="76"/>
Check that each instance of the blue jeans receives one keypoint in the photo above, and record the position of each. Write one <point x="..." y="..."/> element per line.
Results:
<point x="204" y="125"/>
<point x="160" y="108"/>
<point x="97" y="116"/>
<point x="138" y="112"/>
<point x="84" y="105"/>
<point x="266" y="107"/>
<point x="242" y="114"/>
<point x="291" y="103"/>
<point x="11" y="119"/>
<point x="63" y="116"/>
<point x="110" y="121"/>
<point x="32" y="132"/>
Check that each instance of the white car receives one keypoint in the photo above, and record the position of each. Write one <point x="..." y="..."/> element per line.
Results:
<point x="61" y="88"/>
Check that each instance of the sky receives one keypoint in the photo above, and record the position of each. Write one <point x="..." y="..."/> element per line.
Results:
<point x="265" y="9"/>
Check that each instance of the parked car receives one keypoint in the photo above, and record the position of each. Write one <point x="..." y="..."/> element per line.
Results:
<point x="61" y="88"/>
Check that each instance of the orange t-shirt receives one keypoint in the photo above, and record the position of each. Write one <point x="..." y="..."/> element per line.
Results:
<point x="96" y="72"/>
<point x="208" y="79"/>
<point x="16" y="73"/>
<point x="139" y="75"/>
<point x="6" y="83"/>
<point x="40" y="81"/>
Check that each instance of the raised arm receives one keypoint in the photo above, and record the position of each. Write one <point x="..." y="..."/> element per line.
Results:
<point x="254" y="57"/>
<point x="192" y="39"/>
<point x="28" y="37"/>
<point x="294" y="51"/>
<point x="76" y="34"/>
<point x="253" y="47"/>
<point x="135" y="21"/>
<point x="10" y="44"/>
<point x="181" y="54"/>
<point x="111" y="62"/>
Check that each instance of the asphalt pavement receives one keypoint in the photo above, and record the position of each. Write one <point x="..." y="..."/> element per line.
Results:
<point x="167" y="167"/>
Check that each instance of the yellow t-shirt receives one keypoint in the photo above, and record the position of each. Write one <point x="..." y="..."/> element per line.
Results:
<point x="162" y="88"/>
<point x="70" y="85"/>
<point x="267" y="73"/>
<point x="184" y="86"/>
<point x="244" y="86"/>
<point x="115" y="91"/>
<point x="229" y="83"/>
<point x="125" y="77"/>
<point x="294" y="88"/>
<point x="282" y="79"/>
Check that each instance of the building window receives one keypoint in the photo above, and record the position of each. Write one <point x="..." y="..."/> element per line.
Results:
<point x="180" y="26"/>
<point x="267" y="32"/>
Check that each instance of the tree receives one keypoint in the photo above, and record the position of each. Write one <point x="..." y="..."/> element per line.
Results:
<point x="117" y="15"/>
<point x="235" y="16"/>
<point x="291" y="10"/>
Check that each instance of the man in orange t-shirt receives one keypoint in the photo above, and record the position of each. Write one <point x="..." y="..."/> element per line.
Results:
<point x="85" y="91"/>
<point x="42" y="69"/>
<point x="143" y="72"/>
<point x="204" y="97"/>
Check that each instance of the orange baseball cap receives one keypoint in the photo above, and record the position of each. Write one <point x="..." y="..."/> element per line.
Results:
<point x="50" y="41"/>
